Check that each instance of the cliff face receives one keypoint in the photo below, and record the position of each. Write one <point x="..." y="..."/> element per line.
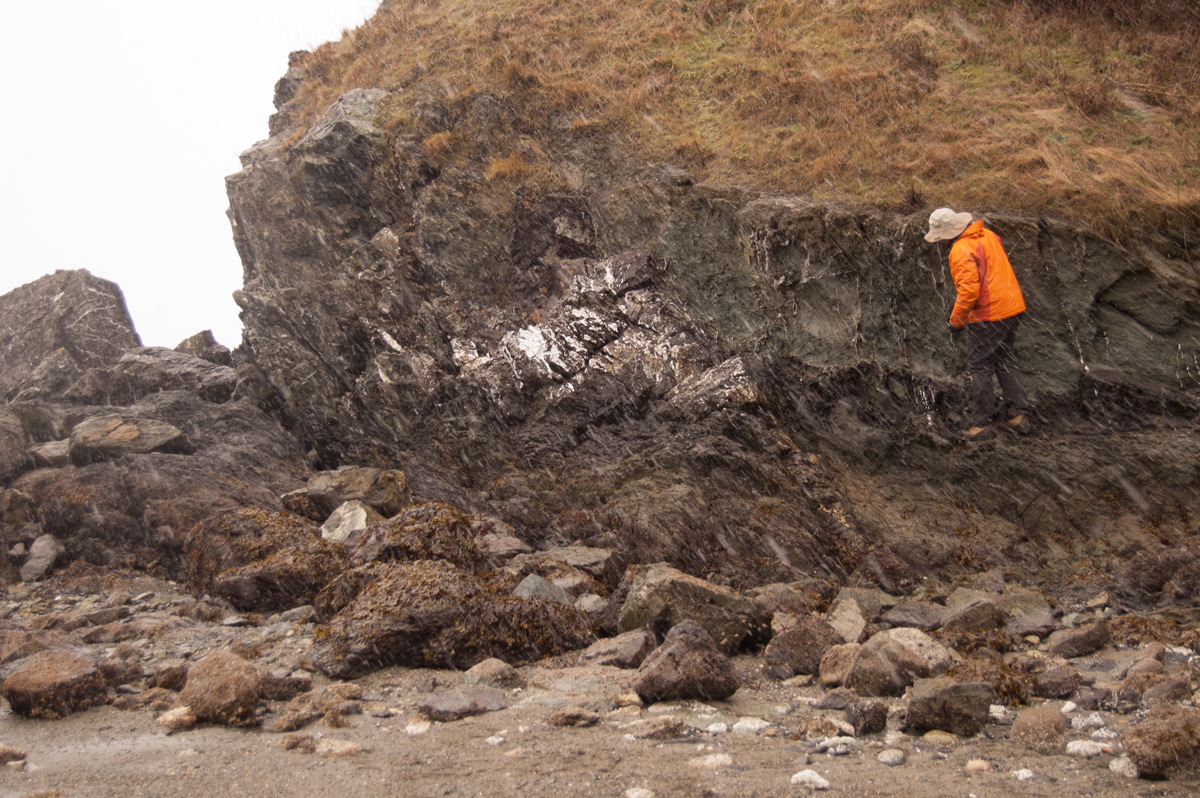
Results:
<point x="597" y="349"/>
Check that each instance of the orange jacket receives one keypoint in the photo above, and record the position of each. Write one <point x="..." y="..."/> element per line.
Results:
<point x="987" y="288"/>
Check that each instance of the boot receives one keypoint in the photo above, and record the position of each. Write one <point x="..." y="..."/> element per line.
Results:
<point x="1018" y="424"/>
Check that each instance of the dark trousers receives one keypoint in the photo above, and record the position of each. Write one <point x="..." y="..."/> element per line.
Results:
<point x="990" y="352"/>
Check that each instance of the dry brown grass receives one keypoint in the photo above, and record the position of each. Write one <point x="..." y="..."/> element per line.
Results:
<point x="1031" y="106"/>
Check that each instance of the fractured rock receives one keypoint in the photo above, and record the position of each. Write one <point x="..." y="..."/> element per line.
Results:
<point x="847" y="617"/>
<point x="350" y="517"/>
<point x="687" y="665"/>
<point x="112" y="436"/>
<point x="628" y="650"/>
<point x="53" y="684"/>
<point x="660" y="597"/>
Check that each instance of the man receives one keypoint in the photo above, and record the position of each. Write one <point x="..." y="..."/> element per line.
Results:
<point x="989" y="304"/>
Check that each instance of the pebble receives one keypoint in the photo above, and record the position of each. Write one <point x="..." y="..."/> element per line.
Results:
<point x="750" y="726"/>
<point x="1069" y="707"/>
<point x="1123" y="766"/>
<point x="940" y="738"/>
<point x="1104" y="734"/>
<point x="892" y="757"/>
<point x="998" y="712"/>
<point x="177" y="719"/>
<point x="417" y="727"/>
<point x="334" y="749"/>
<point x="1084" y="748"/>
<point x="495" y="739"/>
<point x="811" y="779"/>
<point x="1024" y="774"/>
<point x="978" y="766"/>
<point x="717" y="728"/>
<point x="711" y="761"/>
<point x="639" y="792"/>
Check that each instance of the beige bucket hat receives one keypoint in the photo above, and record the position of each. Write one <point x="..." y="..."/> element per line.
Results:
<point x="944" y="223"/>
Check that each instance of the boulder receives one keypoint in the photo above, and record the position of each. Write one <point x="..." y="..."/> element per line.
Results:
<point x="53" y="684"/>
<point x="450" y="705"/>
<point x="350" y="517"/>
<point x="146" y="370"/>
<point x="867" y="717"/>
<point x="1058" y="682"/>
<point x="687" y="665"/>
<point x="1167" y="740"/>
<point x="424" y="532"/>
<point x="1042" y="729"/>
<point x="892" y="659"/>
<point x="923" y="615"/>
<point x="837" y="664"/>
<point x="109" y="437"/>
<point x="284" y="579"/>
<point x="849" y="619"/>
<point x="628" y="650"/>
<point x="973" y="611"/>
<point x="43" y="554"/>
<point x="942" y="704"/>
<point x="223" y="688"/>
<point x="799" y="648"/>
<point x="432" y="614"/>
<point x="604" y="564"/>
<point x="70" y="315"/>
<point x="534" y="586"/>
<point x="495" y="673"/>
<point x="797" y="598"/>
<point x="13" y="459"/>
<point x="1029" y="613"/>
<point x="386" y="490"/>
<point x="204" y="346"/>
<point x="501" y="546"/>
<point x="661" y="597"/>
<point x="1078" y="642"/>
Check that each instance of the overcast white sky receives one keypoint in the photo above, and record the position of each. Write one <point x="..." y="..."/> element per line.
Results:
<point x="120" y="121"/>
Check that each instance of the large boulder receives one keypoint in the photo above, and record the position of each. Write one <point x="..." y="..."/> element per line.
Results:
<point x="109" y="437"/>
<point x="942" y="704"/>
<point x="687" y="665"/>
<point x="660" y="597"/>
<point x="887" y="663"/>
<point x="799" y="648"/>
<point x="290" y="577"/>
<point x="223" y="688"/>
<point x="433" y="614"/>
<point x="53" y="684"/>
<point x="1166" y="741"/>
<point x="70" y="321"/>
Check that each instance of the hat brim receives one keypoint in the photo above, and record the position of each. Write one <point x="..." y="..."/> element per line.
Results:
<point x="954" y="231"/>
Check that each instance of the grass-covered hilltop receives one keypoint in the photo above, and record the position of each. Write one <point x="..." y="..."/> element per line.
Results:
<point x="1086" y="110"/>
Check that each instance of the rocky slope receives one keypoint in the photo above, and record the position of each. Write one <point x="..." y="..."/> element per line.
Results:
<point x="585" y="411"/>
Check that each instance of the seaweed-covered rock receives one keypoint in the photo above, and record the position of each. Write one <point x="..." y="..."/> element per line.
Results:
<point x="290" y="577"/>
<point x="433" y="614"/>
<point x="661" y="597"/>
<point x="53" y="684"/>
<point x="223" y="688"/>
<point x="384" y="489"/>
<point x="231" y="539"/>
<point x="1167" y="740"/>
<point x="425" y="532"/>
<point x="799" y="648"/>
<point x="688" y="664"/>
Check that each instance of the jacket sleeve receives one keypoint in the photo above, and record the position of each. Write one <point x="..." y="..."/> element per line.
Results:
<point x="965" y="272"/>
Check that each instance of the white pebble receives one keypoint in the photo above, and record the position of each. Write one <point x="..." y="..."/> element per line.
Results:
<point x="417" y="727"/>
<point x="1069" y="707"/>
<point x="495" y="739"/>
<point x="639" y="792"/>
<point x="717" y="728"/>
<point x="750" y="726"/>
<point x="997" y="712"/>
<point x="1104" y="734"/>
<point x="892" y="757"/>
<point x="811" y="779"/>
<point x="711" y="762"/>
<point x="1123" y="766"/>
<point x="1087" y="722"/>
<point x="1024" y="774"/>
<point x="1084" y="748"/>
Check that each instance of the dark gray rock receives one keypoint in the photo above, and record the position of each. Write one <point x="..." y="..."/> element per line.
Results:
<point x="662" y="597"/>
<point x="923" y="615"/>
<point x="71" y="318"/>
<point x="957" y="707"/>
<point x="687" y="665"/>
<point x="1060" y="682"/>
<point x="534" y="586"/>
<point x="867" y="717"/>
<point x="13" y="443"/>
<point x="143" y="371"/>
<point x="974" y="611"/>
